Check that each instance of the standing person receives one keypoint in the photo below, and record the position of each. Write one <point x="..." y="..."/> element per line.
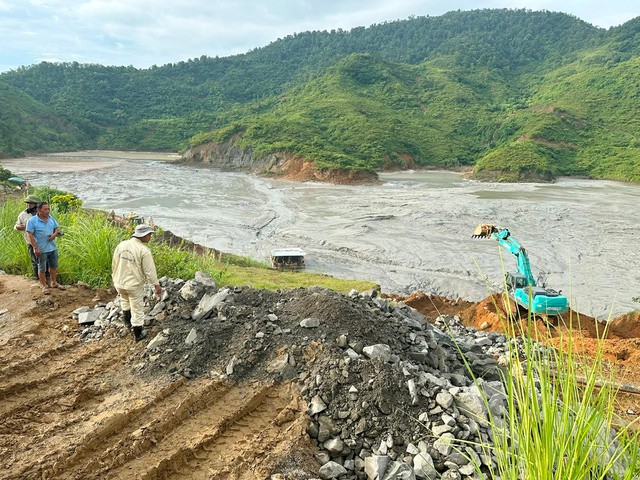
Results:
<point x="43" y="231"/>
<point x="21" y="225"/>
<point x="132" y="266"/>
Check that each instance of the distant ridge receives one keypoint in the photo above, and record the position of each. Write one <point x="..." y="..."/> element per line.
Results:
<point x="514" y="94"/>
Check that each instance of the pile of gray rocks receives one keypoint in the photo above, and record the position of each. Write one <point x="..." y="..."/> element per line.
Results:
<point x="390" y="395"/>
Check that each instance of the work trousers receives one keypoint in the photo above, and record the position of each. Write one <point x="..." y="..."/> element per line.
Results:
<point x="133" y="299"/>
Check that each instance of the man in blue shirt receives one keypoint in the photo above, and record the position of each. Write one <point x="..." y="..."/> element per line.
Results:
<point x="43" y="231"/>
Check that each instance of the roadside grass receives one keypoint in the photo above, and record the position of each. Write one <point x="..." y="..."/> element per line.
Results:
<point x="89" y="241"/>
<point x="557" y="419"/>
<point x="560" y="420"/>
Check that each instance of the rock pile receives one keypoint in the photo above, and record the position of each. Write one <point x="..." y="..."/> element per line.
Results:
<point x="390" y="395"/>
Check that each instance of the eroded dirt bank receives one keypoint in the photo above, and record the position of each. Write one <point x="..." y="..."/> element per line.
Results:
<point x="88" y="402"/>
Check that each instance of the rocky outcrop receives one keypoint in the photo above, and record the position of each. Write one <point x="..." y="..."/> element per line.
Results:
<point x="228" y="156"/>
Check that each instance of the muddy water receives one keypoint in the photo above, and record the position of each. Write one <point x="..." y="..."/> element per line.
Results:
<point x="411" y="232"/>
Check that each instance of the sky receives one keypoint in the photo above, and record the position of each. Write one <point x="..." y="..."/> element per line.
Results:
<point x="143" y="33"/>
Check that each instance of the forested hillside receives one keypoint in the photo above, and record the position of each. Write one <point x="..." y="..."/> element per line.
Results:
<point x="519" y="94"/>
<point x="28" y="125"/>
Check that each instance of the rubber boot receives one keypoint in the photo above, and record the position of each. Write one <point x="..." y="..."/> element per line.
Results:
<point x="138" y="333"/>
<point x="127" y="318"/>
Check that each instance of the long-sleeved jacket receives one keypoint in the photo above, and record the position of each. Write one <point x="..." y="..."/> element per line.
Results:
<point x="132" y="265"/>
<point x="22" y="220"/>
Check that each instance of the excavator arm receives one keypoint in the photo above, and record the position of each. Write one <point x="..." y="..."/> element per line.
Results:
<point x="554" y="303"/>
<point x="504" y="238"/>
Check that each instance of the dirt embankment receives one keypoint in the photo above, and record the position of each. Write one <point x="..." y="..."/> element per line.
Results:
<point x="227" y="155"/>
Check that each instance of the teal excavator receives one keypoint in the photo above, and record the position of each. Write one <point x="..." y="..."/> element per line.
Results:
<point x="522" y="287"/>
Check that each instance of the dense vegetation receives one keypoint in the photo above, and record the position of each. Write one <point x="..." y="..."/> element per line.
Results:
<point x="517" y="94"/>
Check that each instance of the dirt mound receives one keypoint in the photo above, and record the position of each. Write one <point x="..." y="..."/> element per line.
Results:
<point x="365" y="368"/>
<point x="626" y="326"/>
<point x="431" y="305"/>
<point x="244" y="383"/>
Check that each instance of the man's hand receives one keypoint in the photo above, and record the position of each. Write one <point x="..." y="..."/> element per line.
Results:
<point x="158" y="289"/>
<point x="37" y="251"/>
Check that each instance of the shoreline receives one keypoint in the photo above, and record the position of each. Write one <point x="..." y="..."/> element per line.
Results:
<point x="86" y="160"/>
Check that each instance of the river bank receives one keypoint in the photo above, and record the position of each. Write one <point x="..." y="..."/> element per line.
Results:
<point x="411" y="232"/>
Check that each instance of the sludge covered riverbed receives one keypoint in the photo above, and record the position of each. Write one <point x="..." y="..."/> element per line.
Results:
<point x="411" y="232"/>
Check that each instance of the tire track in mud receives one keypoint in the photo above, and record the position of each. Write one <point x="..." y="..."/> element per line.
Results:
<point x="42" y="408"/>
<point x="13" y="365"/>
<point x="182" y="430"/>
<point x="185" y="444"/>
<point x="50" y="379"/>
<point x="88" y="426"/>
<point x="188" y="430"/>
<point x="226" y="446"/>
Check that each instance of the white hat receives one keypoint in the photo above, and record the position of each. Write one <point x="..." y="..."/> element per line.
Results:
<point x="142" y="230"/>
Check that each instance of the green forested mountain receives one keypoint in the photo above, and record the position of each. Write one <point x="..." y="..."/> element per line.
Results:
<point x="518" y="94"/>
<point x="28" y="125"/>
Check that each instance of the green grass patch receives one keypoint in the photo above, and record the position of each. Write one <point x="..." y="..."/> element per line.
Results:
<point x="560" y="420"/>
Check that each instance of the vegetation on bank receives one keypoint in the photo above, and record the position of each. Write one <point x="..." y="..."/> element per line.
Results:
<point x="87" y="247"/>
<point x="559" y="419"/>
<point x="521" y="95"/>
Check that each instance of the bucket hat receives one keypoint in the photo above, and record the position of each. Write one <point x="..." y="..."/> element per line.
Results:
<point x="142" y="230"/>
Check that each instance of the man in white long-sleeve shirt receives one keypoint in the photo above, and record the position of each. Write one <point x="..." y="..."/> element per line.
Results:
<point x="132" y="266"/>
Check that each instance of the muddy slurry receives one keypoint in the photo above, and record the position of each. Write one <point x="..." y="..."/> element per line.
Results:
<point x="409" y="233"/>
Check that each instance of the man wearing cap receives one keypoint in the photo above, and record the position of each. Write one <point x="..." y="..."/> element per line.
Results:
<point x="132" y="266"/>
<point x="21" y="225"/>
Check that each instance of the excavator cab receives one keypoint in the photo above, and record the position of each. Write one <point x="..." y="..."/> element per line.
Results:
<point x="516" y="281"/>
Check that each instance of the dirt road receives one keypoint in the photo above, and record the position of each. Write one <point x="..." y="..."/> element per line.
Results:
<point x="72" y="409"/>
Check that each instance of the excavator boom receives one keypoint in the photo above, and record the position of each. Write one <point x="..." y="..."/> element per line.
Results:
<point x="522" y="285"/>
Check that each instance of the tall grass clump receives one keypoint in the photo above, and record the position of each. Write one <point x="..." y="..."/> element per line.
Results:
<point x="87" y="247"/>
<point x="560" y="421"/>
<point x="14" y="258"/>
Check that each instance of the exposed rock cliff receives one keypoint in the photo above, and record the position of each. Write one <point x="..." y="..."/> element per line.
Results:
<point x="228" y="155"/>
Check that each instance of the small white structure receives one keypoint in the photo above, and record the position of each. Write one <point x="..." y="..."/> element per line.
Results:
<point x="287" y="258"/>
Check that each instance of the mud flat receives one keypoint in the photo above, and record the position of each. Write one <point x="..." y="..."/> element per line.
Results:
<point x="409" y="233"/>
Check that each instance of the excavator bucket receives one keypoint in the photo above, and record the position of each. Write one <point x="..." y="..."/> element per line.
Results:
<point x="484" y="230"/>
